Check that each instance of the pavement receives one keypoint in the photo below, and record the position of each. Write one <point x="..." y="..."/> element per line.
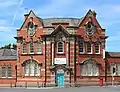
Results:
<point x="62" y="89"/>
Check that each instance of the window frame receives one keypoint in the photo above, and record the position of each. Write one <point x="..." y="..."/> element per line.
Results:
<point x="29" y="66"/>
<point x="90" y="49"/>
<point x="98" y="48"/>
<point x="31" y="42"/>
<point x="85" y="65"/>
<point x="82" y="47"/>
<point x="111" y="69"/>
<point x="24" y="48"/>
<point x="38" y="45"/>
<point x="62" y="47"/>
<point x="10" y="71"/>
<point x="4" y="71"/>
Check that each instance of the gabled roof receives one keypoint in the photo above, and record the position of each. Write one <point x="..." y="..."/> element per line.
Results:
<point x="59" y="28"/>
<point x="90" y="13"/>
<point x="113" y="54"/>
<point x="73" y="22"/>
<point x="8" y="54"/>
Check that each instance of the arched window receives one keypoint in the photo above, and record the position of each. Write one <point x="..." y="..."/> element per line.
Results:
<point x="31" y="47"/>
<point x="89" y="48"/>
<point x="31" y="68"/>
<point x="39" y="47"/>
<point x="24" y="48"/>
<point x="60" y="47"/>
<point x="89" y="68"/>
<point x="97" y="48"/>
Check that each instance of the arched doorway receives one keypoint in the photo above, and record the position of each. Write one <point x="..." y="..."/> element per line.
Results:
<point x="60" y="77"/>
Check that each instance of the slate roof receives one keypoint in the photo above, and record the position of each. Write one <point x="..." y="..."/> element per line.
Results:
<point x="74" y="22"/>
<point x="113" y="54"/>
<point x="8" y="54"/>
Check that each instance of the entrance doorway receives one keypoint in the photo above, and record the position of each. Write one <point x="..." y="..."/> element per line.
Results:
<point x="60" y="79"/>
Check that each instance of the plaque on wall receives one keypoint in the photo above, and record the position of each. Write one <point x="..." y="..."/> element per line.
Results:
<point x="60" y="61"/>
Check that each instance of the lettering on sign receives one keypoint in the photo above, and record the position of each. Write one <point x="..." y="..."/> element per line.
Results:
<point x="60" y="61"/>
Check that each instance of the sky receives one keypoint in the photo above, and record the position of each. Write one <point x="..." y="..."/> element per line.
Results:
<point x="108" y="14"/>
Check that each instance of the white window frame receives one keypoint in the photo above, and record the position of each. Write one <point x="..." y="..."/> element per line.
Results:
<point x="111" y="69"/>
<point x="5" y="71"/>
<point x="87" y="70"/>
<point x="98" y="48"/>
<point x="62" y="47"/>
<point x="40" y="43"/>
<point x="118" y="69"/>
<point x="11" y="71"/>
<point x="30" y="47"/>
<point x="83" y="47"/>
<point x="91" y="48"/>
<point x="24" y="48"/>
<point x="29" y="68"/>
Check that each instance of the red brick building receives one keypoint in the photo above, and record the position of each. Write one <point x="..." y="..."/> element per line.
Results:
<point x="64" y="52"/>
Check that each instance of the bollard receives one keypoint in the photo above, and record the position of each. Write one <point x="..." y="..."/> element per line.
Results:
<point x="101" y="82"/>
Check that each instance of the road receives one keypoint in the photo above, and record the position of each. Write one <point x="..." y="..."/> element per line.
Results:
<point x="80" y="89"/>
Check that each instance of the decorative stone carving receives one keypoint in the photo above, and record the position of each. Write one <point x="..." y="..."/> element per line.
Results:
<point x="90" y="28"/>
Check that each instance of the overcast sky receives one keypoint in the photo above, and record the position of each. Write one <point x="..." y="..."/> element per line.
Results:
<point x="108" y="14"/>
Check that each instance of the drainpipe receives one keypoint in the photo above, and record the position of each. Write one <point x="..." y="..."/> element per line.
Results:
<point x="45" y="65"/>
<point x="16" y="75"/>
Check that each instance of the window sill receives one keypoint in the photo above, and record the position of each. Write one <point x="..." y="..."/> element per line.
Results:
<point x="39" y="53"/>
<point x="9" y="77"/>
<point x="31" y="53"/>
<point x="24" y="53"/>
<point x="60" y="53"/>
<point x="4" y="77"/>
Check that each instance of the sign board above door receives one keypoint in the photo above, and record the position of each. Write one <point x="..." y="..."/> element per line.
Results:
<point x="60" y="61"/>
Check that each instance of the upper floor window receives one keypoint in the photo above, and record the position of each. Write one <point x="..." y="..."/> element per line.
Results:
<point x="39" y="47"/>
<point x="97" y="48"/>
<point x="60" y="47"/>
<point x="31" y="47"/>
<point x="71" y="30"/>
<point x="24" y="48"/>
<point x="81" y="47"/>
<point x="89" y="48"/>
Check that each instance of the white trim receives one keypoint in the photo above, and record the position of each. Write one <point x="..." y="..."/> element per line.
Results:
<point x="99" y="49"/>
<point x="83" y="48"/>
<point x="24" y="48"/>
<point x="4" y="77"/>
<point x="91" y="48"/>
<point x="62" y="47"/>
<point x="9" y="77"/>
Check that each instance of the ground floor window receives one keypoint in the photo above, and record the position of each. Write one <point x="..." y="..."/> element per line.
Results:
<point x="89" y="68"/>
<point x="31" y="68"/>
<point x="6" y="71"/>
<point x="115" y="69"/>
